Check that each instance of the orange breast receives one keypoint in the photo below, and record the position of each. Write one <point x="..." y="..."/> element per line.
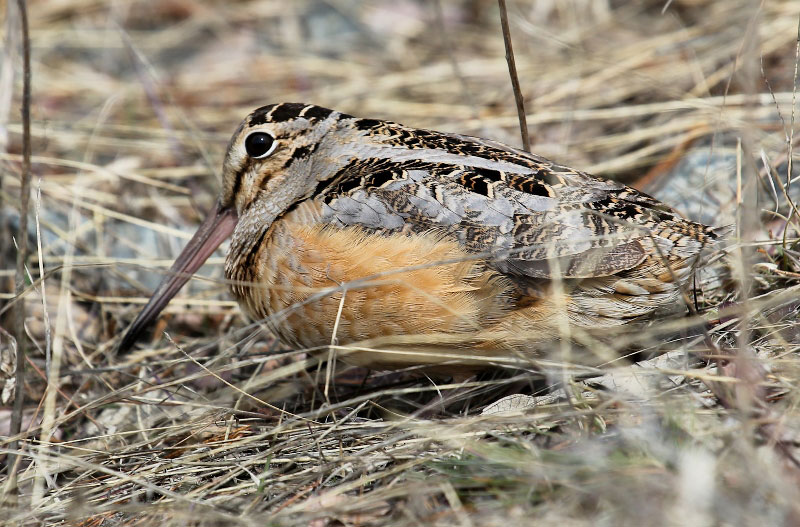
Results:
<point x="316" y="285"/>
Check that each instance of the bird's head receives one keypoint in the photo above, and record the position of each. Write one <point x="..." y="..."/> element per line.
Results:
<point x="268" y="167"/>
<point x="270" y="156"/>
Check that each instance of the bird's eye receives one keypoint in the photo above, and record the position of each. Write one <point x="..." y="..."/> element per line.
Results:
<point x="259" y="144"/>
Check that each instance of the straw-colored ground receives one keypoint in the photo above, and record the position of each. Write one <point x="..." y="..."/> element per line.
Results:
<point x="133" y="105"/>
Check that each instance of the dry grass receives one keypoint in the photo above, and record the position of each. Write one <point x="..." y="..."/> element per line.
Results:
<point x="133" y="105"/>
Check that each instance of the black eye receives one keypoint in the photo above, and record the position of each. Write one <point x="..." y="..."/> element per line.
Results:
<point x="259" y="144"/>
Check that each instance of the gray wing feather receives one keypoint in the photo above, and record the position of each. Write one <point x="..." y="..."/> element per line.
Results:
<point x="569" y="232"/>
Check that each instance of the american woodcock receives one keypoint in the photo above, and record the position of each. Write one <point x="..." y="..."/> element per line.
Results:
<point x="419" y="247"/>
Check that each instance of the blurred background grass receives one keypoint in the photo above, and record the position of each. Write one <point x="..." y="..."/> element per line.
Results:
<point x="133" y="105"/>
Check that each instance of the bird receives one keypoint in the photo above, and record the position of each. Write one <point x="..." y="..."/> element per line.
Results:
<point x="406" y="247"/>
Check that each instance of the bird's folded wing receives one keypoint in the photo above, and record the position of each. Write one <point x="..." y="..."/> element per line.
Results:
<point x="539" y="223"/>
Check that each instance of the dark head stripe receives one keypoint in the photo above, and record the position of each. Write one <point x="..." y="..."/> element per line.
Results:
<point x="287" y="111"/>
<point x="259" y="116"/>
<point x="301" y="152"/>
<point x="313" y="111"/>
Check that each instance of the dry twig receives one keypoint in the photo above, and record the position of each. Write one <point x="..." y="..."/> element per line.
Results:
<point x="22" y="243"/>
<point x="512" y="71"/>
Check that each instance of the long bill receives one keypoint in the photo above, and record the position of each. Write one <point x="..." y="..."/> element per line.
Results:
<point x="217" y="227"/>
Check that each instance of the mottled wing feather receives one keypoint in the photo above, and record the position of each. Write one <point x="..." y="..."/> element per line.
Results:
<point x="539" y="221"/>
